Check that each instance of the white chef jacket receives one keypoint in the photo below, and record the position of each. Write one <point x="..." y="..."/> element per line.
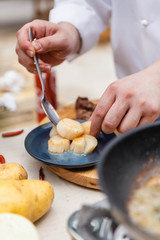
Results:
<point x="135" y="28"/>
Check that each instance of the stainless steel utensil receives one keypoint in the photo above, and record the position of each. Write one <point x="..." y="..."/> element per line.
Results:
<point x="47" y="107"/>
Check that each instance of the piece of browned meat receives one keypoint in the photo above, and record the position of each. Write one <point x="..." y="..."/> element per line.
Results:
<point x="84" y="108"/>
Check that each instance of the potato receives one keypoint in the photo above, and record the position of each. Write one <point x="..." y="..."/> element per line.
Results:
<point x="12" y="171"/>
<point x="16" y="227"/>
<point x="29" y="198"/>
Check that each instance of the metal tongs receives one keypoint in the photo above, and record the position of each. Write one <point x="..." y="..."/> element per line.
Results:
<point x="47" y="107"/>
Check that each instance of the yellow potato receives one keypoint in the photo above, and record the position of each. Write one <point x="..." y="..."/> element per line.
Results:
<point x="29" y="198"/>
<point x="12" y="171"/>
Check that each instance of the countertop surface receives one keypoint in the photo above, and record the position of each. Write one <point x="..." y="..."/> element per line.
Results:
<point x="69" y="197"/>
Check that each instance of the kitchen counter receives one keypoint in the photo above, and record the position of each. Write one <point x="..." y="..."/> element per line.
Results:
<point x="69" y="197"/>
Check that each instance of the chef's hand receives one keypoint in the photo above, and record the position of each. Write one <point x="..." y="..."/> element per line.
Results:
<point x="54" y="42"/>
<point x="129" y="102"/>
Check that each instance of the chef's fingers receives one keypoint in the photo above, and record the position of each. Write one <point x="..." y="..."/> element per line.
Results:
<point x="100" y="111"/>
<point x="62" y="38"/>
<point x="130" y="120"/>
<point x="114" y="116"/>
<point x="150" y="112"/>
<point x="25" y="60"/>
<point x="23" y="42"/>
<point x="45" y="67"/>
<point x="57" y="42"/>
<point x="28" y="63"/>
<point x="40" y="29"/>
<point x="148" y="119"/>
<point x="135" y="117"/>
<point x="51" y="58"/>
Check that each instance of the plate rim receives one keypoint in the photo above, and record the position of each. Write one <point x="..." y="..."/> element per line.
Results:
<point x="66" y="166"/>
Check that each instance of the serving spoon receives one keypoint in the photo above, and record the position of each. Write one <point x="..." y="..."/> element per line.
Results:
<point x="47" y="107"/>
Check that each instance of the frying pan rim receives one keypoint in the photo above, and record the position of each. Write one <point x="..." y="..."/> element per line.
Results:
<point x="114" y="142"/>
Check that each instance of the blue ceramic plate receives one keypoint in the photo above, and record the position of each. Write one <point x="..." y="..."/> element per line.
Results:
<point x="36" y="144"/>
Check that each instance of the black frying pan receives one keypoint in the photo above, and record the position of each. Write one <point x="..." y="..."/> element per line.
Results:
<point x="122" y="161"/>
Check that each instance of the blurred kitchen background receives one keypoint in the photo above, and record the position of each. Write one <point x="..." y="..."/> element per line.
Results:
<point x="86" y="76"/>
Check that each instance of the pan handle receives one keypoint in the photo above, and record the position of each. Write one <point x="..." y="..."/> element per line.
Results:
<point x="86" y="215"/>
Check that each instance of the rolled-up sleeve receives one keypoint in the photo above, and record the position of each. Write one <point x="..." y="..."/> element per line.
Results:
<point x="90" y="17"/>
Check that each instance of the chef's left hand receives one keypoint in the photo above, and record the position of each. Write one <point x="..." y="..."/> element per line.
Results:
<point x="129" y="102"/>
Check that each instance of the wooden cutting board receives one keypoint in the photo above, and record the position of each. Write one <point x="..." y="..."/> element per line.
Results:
<point x="87" y="177"/>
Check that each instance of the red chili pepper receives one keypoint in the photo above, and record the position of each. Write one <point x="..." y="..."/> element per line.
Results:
<point x="13" y="133"/>
<point x="41" y="174"/>
<point x="2" y="159"/>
